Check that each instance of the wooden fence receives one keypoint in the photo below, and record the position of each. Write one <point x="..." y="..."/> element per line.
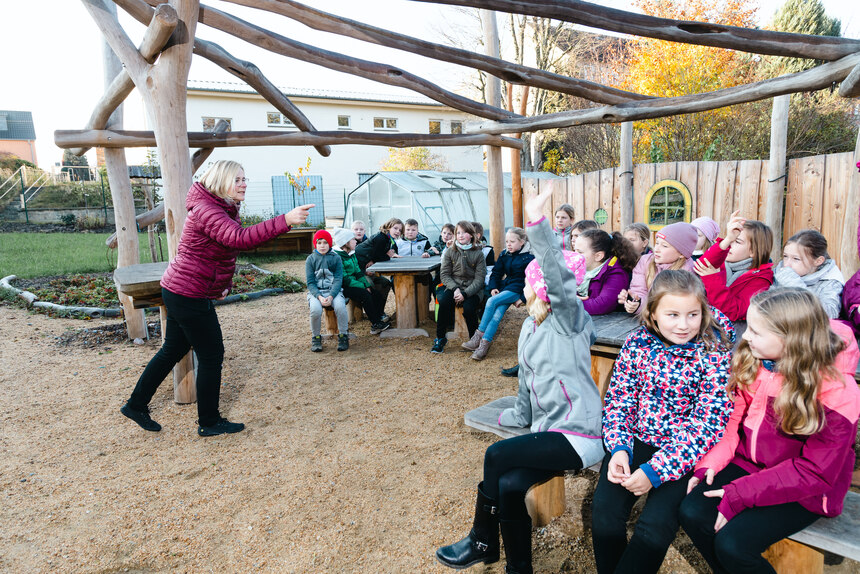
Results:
<point x="817" y="190"/>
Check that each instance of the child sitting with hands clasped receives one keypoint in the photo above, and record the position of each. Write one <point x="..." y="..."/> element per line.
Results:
<point x="557" y="399"/>
<point x="665" y="407"/>
<point x="787" y="454"/>
<point x="324" y="275"/>
<point x="805" y="264"/>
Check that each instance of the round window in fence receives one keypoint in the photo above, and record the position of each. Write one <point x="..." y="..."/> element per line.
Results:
<point x="668" y="201"/>
<point x="600" y="216"/>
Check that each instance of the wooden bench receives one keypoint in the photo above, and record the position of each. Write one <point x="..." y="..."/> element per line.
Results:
<point x="800" y="553"/>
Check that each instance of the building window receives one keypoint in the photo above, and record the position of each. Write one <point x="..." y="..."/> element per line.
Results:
<point x="343" y="123"/>
<point x="456" y="127"/>
<point x="278" y="120"/>
<point x="667" y="201"/>
<point x="435" y="127"/>
<point x="210" y="123"/>
<point x="385" y="123"/>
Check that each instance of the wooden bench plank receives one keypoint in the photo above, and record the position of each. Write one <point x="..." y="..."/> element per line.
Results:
<point x="140" y="281"/>
<point x="839" y="535"/>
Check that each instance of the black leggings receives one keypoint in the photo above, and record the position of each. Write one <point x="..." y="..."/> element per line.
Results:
<point x="445" y="317"/>
<point x="369" y="300"/>
<point x="191" y="323"/>
<point x="514" y="465"/>
<point x="654" y="531"/>
<point x="737" y="547"/>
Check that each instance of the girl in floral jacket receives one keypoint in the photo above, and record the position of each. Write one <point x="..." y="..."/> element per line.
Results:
<point x="665" y="407"/>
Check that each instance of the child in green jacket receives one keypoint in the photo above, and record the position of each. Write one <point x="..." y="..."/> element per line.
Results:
<point x="357" y="286"/>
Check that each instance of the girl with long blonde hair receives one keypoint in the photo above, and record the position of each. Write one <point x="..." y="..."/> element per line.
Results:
<point x="787" y="455"/>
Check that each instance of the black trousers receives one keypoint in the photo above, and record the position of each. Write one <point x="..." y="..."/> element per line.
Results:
<point x="654" y="531"/>
<point x="737" y="547"/>
<point x="381" y="288"/>
<point x="191" y="323"/>
<point x="371" y="301"/>
<point x="514" y="465"/>
<point x="445" y="316"/>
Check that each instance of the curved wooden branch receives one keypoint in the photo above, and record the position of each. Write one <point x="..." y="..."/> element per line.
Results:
<point x="252" y="76"/>
<point x="508" y="71"/>
<point x="702" y="33"/>
<point x="817" y="78"/>
<point x="850" y="87"/>
<point x="115" y="36"/>
<point x="357" y="67"/>
<point x="157" y="34"/>
<point x="203" y="153"/>
<point x="121" y="139"/>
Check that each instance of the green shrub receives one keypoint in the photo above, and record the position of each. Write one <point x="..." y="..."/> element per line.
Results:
<point x="68" y="219"/>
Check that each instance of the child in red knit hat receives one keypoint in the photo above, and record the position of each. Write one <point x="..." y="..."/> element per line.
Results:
<point x="324" y="273"/>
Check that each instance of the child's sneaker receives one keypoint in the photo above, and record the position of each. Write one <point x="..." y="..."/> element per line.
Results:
<point x="343" y="342"/>
<point x="316" y="344"/>
<point x="439" y="345"/>
<point x="377" y="328"/>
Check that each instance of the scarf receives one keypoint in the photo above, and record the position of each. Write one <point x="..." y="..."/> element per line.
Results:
<point x="582" y="289"/>
<point x="736" y="269"/>
<point x="465" y="247"/>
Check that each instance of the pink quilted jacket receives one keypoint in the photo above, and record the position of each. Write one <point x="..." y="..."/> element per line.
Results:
<point x="211" y="240"/>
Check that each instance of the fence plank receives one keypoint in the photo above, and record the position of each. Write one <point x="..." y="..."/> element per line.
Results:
<point x="837" y="182"/>
<point x="724" y="192"/>
<point x="792" y="198"/>
<point x="606" y="189"/>
<point x="559" y="195"/>
<point x="707" y="179"/>
<point x="592" y="194"/>
<point x="762" y="190"/>
<point x="576" y="193"/>
<point x="615" y="220"/>
<point x="530" y="189"/>
<point x="666" y="171"/>
<point x="747" y="187"/>
<point x="643" y="178"/>
<point x="812" y="192"/>
<point x="688" y="174"/>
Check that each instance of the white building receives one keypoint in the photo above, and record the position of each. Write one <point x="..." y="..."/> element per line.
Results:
<point x="348" y="165"/>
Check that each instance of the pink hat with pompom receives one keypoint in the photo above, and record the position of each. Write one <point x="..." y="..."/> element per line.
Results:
<point x="575" y="262"/>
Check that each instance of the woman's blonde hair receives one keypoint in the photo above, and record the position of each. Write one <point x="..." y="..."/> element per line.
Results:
<point x="537" y="307"/>
<point x="809" y="352"/>
<point x="220" y="178"/>
<point x="386" y="227"/>
<point x="682" y="282"/>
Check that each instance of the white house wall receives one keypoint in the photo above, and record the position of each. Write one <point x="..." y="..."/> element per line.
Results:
<point x="340" y="170"/>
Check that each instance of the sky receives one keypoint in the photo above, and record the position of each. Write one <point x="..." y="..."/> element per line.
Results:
<point x="53" y="55"/>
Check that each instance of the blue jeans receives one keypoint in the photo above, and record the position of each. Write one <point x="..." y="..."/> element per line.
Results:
<point x="494" y="311"/>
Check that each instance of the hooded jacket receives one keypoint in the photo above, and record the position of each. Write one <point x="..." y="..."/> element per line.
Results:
<point x="604" y="288"/>
<point x="412" y="247"/>
<point x="353" y="276"/>
<point x="815" y="470"/>
<point x="464" y="269"/>
<point x="556" y="392"/>
<point x="672" y="397"/>
<point x="509" y="272"/>
<point x="211" y="239"/>
<point x="734" y="300"/>
<point x="826" y="283"/>
<point x="324" y="273"/>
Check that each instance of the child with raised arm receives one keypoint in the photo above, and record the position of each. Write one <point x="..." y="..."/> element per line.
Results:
<point x="666" y="406"/>
<point x="557" y="399"/>
<point x="806" y="264"/>
<point x="506" y="285"/>
<point x="787" y="454"/>
<point x="737" y="267"/>
<point x="707" y="231"/>
<point x="324" y="275"/>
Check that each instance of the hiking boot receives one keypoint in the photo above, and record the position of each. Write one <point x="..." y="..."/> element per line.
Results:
<point x="482" y="350"/>
<point x="377" y="328"/>
<point x="142" y="418"/>
<point x="343" y="342"/>
<point x="472" y="344"/>
<point x="439" y="345"/>
<point x="316" y="344"/>
<point x="221" y="427"/>
<point x="512" y="372"/>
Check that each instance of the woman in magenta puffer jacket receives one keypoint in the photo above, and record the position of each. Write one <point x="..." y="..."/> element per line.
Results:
<point x="202" y="271"/>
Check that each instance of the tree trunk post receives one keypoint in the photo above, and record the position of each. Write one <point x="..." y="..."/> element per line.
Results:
<point x="776" y="172"/>
<point x="123" y="200"/>
<point x="851" y="228"/>
<point x="626" y="175"/>
<point x="495" y="178"/>
<point x="150" y="229"/>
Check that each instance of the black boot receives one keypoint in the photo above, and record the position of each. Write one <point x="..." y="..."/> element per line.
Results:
<point x="517" y="536"/>
<point x="482" y="543"/>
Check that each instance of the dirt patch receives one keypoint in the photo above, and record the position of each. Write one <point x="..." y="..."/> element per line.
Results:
<point x="351" y="462"/>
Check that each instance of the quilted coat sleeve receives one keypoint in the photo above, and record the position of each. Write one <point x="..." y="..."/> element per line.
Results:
<point x="606" y="299"/>
<point x="219" y="226"/>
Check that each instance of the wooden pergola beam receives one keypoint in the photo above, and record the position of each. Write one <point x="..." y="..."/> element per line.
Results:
<point x="850" y="87"/>
<point x="122" y="139"/>
<point x="768" y="42"/>
<point x="507" y="71"/>
<point x="817" y="78"/>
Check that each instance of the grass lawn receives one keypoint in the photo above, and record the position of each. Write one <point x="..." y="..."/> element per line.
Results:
<point x="42" y="254"/>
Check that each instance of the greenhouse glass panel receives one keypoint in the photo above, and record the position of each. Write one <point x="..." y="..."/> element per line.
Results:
<point x="380" y="195"/>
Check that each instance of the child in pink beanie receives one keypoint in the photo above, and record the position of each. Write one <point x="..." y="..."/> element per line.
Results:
<point x="708" y="231"/>
<point x="673" y="249"/>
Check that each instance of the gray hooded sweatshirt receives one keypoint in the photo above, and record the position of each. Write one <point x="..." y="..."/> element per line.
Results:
<point x="556" y="392"/>
<point x="826" y="283"/>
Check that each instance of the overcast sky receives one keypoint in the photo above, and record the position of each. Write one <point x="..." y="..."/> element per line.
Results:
<point x="52" y="55"/>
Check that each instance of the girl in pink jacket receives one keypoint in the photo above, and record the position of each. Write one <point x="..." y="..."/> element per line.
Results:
<point x="787" y="454"/>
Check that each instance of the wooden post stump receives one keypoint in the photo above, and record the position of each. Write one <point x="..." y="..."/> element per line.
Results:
<point x="461" y="330"/>
<point x="422" y="295"/>
<point x="545" y="501"/>
<point x="404" y="296"/>
<point x="355" y="312"/>
<point x="790" y="557"/>
<point x="330" y="322"/>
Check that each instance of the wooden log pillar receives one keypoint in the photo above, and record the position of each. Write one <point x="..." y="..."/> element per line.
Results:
<point x="422" y="297"/>
<point x="626" y="175"/>
<point x="330" y="321"/>
<point x="123" y="201"/>
<point x="790" y="557"/>
<point x="545" y="501"/>
<point x="495" y="179"/>
<point x="851" y="230"/>
<point x="516" y="160"/>
<point x="461" y="329"/>
<point x="404" y="296"/>
<point x="776" y="172"/>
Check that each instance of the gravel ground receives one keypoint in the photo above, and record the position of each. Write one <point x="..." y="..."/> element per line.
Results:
<point x="351" y="462"/>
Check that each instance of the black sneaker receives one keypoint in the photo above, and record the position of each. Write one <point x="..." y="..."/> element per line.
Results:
<point x="439" y="345"/>
<point x="385" y="318"/>
<point x="343" y="342"/>
<point x="377" y="328"/>
<point x="316" y="344"/>
<point x="142" y="418"/>
<point x="512" y="372"/>
<point x="221" y="427"/>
